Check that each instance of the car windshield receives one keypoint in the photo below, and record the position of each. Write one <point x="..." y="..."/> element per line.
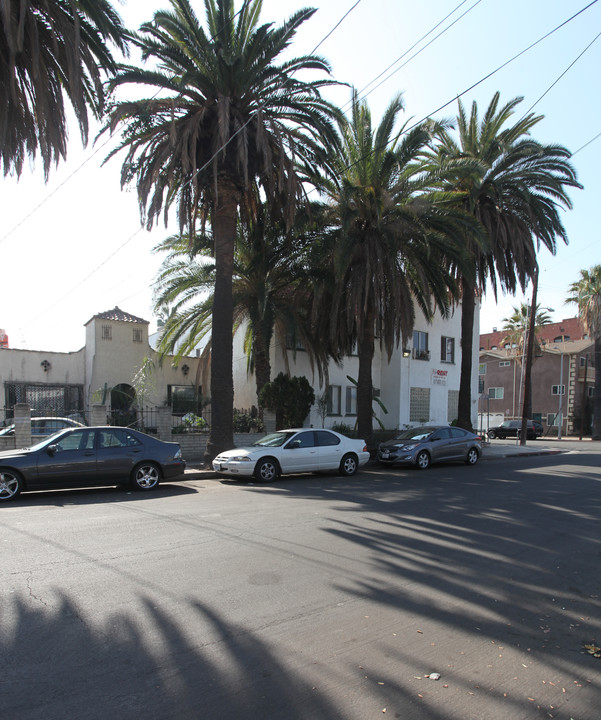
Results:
<point x="419" y="433"/>
<point x="276" y="439"/>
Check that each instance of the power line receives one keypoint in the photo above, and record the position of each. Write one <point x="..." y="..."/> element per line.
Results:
<point x="419" y="51"/>
<point x="560" y="76"/>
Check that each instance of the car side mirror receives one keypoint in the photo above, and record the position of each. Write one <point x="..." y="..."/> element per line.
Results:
<point x="294" y="444"/>
<point x="52" y="450"/>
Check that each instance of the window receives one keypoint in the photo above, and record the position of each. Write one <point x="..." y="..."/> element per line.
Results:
<point x="419" y="405"/>
<point x="420" y="345"/>
<point x="107" y="332"/>
<point x="304" y="439"/>
<point x="293" y="342"/>
<point x="334" y="392"/>
<point x="326" y="439"/>
<point x="482" y="369"/>
<point x="504" y="363"/>
<point x="561" y="338"/>
<point x="591" y="391"/>
<point x="558" y="390"/>
<point x="182" y="399"/>
<point x="452" y="405"/>
<point x="137" y="335"/>
<point x="496" y="393"/>
<point x="351" y="400"/>
<point x="447" y="349"/>
<point x="78" y="440"/>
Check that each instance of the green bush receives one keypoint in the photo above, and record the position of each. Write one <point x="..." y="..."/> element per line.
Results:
<point x="247" y="422"/>
<point x="344" y="429"/>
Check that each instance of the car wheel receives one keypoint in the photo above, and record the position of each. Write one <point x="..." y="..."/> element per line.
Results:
<point x="11" y="485"/>
<point x="266" y="470"/>
<point x="491" y="435"/>
<point x="145" y="476"/>
<point x="423" y="460"/>
<point x="472" y="456"/>
<point x="349" y="465"/>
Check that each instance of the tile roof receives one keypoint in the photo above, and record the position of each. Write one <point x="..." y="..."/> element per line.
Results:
<point x="570" y="328"/>
<point x="117" y="314"/>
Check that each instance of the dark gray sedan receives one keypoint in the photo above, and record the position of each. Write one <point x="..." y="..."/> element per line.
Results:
<point x="86" y="456"/>
<point x="421" y="446"/>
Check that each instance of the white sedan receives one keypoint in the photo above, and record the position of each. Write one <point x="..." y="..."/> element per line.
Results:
<point x="293" y="451"/>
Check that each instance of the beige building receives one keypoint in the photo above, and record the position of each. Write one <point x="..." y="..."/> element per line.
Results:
<point x="116" y="367"/>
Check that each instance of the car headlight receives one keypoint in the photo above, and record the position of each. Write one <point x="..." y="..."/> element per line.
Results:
<point x="411" y="446"/>
<point x="240" y="458"/>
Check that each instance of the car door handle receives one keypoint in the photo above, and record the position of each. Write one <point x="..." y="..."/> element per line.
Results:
<point x="89" y="454"/>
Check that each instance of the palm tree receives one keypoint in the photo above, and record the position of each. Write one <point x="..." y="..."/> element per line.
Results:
<point x="50" y="49"/>
<point x="515" y="187"/>
<point x="271" y="293"/>
<point x="388" y="241"/>
<point x="518" y="323"/>
<point x="586" y="293"/>
<point x="227" y="116"/>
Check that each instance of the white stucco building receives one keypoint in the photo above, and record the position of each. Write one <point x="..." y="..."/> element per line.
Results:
<point x="419" y="384"/>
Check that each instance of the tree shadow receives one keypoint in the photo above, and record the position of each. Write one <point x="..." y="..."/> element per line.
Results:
<point x="142" y="663"/>
<point x="507" y="554"/>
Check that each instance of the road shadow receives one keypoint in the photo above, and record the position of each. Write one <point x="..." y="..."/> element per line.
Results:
<point x="141" y="663"/>
<point x="507" y="551"/>
<point x="96" y="495"/>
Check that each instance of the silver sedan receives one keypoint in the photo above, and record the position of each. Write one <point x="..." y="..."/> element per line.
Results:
<point x="421" y="446"/>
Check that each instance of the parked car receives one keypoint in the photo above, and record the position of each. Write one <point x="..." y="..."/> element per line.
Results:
<point x="421" y="446"/>
<point x="513" y="428"/>
<point x="81" y="457"/>
<point x="43" y="426"/>
<point x="293" y="451"/>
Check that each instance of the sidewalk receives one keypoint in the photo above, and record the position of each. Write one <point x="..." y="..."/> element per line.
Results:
<point x="494" y="449"/>
<point x="491" y="450"/>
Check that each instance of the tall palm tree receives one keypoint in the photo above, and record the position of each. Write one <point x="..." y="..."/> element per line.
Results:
<point x="515" y="187"/>
<point x="586" y="293"/>
<point x="50" y="49"/>
<point x="227" y="116"/>
<point x="271" y="293"/>
<point x="387" y="241"/>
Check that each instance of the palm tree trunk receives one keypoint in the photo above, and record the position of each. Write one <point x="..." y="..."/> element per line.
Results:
<point x="364" y="383"/>
<point x="596" y="431"/>
<point x="223" y="222"/>
<point x="262" y="363"/>
<point x="468" y="305"/>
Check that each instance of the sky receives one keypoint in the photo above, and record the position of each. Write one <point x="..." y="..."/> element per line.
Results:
<point x="74" y="247"/>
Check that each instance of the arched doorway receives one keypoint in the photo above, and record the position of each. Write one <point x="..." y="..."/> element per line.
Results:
<point x="123" y="397"/>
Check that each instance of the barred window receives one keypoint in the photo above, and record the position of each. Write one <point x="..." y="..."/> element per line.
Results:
<point x="107" y="332"/>
<point x="137" y="335"/>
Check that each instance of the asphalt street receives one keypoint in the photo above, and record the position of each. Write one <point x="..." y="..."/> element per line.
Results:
<point x="316" y="597"/>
